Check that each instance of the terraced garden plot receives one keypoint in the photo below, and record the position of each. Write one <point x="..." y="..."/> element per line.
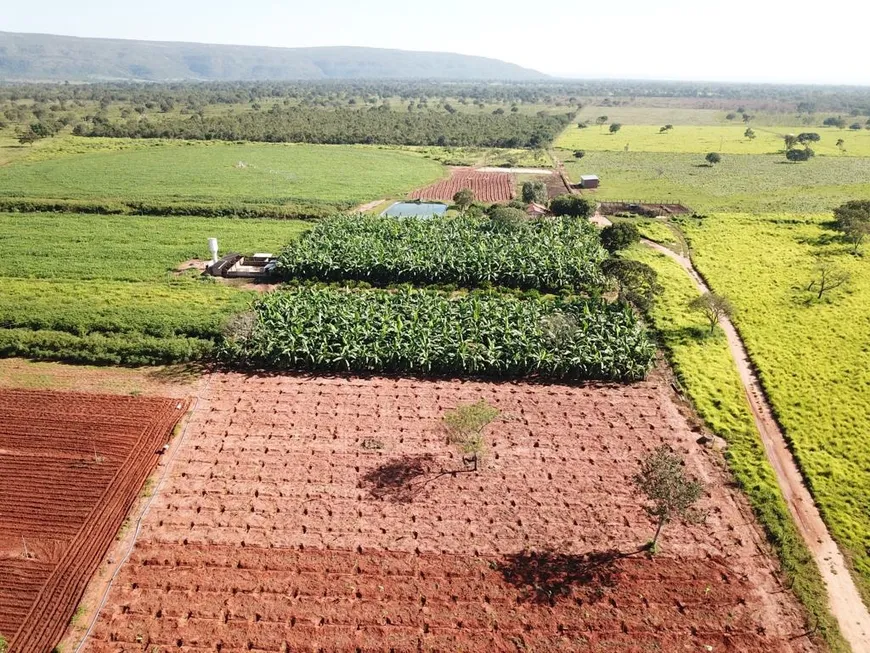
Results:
<point x="71" y="467"/>
<point x="329" y="514"/>
<point x="486" y="186"/>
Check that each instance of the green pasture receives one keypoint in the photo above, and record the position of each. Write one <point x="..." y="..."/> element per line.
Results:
<point x="707" y="374"/>
<point x="216" y="172"/>
<point x="725" y="139"/>
<point x="813" y="356"/>
<point x="104" y="289"/>
<point x="759" y="183"/>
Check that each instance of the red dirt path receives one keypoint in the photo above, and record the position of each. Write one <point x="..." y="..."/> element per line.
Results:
<point x="282" y="528"/>
<point x="71" y="466"/>
<point x="487" y="186"/>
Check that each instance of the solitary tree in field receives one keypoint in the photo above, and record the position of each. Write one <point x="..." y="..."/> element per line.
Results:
<point x="796" y="155"/>
<point x="615" y="127"/>
<point x="463" y="199"/>
<point x="747" y="118"/>
<point x="663" y="481"/>
<point x="28" y="137"/>
<point x="579" y="154"/>
<point x="713" y="158"/>
<point x="618" y="236"/>
<point x="714" y="307"/>
<point x="534" y="191"/>
<point x="841" y="145"/>
<point x="601" y="121"/>
<point x="808" y="137"/>
<point x="852" y="219"/>
<point x="666" y="128"/>
<point x="465" y="426"/>
<point x="730" y="116"/>
<point x="749" y="133"/>
<point x="828" y="276"/>
<point x="790" y="141"/>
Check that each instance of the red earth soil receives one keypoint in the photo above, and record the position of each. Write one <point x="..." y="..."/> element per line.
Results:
<point x="306" y="514"/>
<point x="71" y="466"/>
<point x="487" y="186"/>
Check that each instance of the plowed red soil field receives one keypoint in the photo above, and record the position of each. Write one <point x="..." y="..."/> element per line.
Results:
<point x="70" y="467"/>
<point x="487" y="186"/>
<point x="328" y="514"/>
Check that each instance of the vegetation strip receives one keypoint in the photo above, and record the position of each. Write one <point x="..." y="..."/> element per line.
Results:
<point x="549" y="254"/>
<point x="425" y="332"/>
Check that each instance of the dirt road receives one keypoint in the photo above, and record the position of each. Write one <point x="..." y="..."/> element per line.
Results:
<point x="844" y="600"/>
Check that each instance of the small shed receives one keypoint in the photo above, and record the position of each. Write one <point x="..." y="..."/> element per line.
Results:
<point x="589" y="181"/>
<point x="535" y="210"/>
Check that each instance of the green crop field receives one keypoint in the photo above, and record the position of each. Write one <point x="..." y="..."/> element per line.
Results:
<point x="726" y="139"/>
<point x="758" y="183"/>
<point x="159" y="171"/>
<point x="813" y="356"/>
<point x="103" y="288"/>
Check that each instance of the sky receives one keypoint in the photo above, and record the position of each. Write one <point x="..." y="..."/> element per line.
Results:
<point x="762" y="41"/>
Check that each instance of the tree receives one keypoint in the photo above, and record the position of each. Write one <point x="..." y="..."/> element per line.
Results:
<point x="714" y="307"/>
<point x="713" y="158"/>
<point x="465" y="426"/>
<point x="808" y="137"/>
<point x="852" y="219"/>
<point x="797" y="155"/>
<point x="841" y="145"/>
<point x="601" y="121"/>
<point x="507" y="218"/>
<point x="534" y="191"/>
<point x="666" y="128"/>
<point x="730" y="116"/>
<point x="747" y="118"/>
<point x="663" y="480"/>
<point x="827" y="277"/>
<point x="615" y="127"/>
<point x="582" y="125"/>
<point x="637" y="283"/>
<point x="579" y="154"/>
<point x="28" y="137"/>
<point x="619" y="236"/>
<point x="463" y="199"/>
<point x="749" y="133"/>
<point x="572" y="205"/>
<point x="835" y="121"/>
<point x="790" y="141"/>
<point x="856" y="126"/>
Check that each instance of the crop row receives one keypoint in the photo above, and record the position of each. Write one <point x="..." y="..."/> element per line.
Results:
<point x="469" y="251"/>
<point x="426" y="332"/>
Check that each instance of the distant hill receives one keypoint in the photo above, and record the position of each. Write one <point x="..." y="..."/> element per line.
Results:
<point x="43" y="57"/>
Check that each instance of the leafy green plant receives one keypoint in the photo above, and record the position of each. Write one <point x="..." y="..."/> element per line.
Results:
<point x="427" y="332"/>
<point x="546" y="254"/>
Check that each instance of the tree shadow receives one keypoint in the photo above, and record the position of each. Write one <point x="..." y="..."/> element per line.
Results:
<point x="546" y="576"/>
<point x="184" y="373"/>
<point x="401" y="479"/>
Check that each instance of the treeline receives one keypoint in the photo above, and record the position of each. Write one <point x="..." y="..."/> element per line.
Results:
<point x="345" y="126"/>
<point x="556" y="93"/>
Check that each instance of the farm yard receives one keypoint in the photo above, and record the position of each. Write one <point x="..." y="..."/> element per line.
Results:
<point x="317" y="500"/>
<point x="332" y="513"/>
<point x="72" y="466"/>
<point x="486" y="186"/>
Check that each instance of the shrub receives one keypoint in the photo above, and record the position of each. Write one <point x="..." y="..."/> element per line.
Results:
<point x="572" y="205"/>
<point x="619" y="236"/>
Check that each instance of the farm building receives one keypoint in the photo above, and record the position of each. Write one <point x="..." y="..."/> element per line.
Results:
<point x="537" y="210"/>
<point x="589" y="181"/>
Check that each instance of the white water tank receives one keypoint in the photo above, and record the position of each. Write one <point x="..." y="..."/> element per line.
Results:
<point x="213" y="248"/>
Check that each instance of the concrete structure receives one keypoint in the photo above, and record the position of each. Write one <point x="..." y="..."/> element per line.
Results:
<point x="589" y="181"/>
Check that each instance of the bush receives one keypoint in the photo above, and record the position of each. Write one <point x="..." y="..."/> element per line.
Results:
<point x="425" y="332"/>
<point x="534" y="191"/>
<point x="796" y="155"/>
<point x="619" y="236"/>
<point x="572" y="205"/>
<point x="508" y="218"/>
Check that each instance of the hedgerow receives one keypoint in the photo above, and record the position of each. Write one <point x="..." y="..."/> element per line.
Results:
<point x="547" y="254"/>
<point x="426" y="332"/>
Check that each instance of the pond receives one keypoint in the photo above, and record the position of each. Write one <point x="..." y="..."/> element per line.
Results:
<point x="416" y="209"/>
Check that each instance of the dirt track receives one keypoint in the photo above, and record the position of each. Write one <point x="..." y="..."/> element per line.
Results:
<point x="845" y="601"/>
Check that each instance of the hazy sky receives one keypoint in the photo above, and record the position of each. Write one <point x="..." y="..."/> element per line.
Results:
<point x="764" y="40"/>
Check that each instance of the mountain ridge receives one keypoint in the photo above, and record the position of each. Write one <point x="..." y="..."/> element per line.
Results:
<point x="49" y="57"/>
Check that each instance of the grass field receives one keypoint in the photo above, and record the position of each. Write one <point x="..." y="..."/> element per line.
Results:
<point x="215" y="172"/>
<point x="102" y="288"/>
<point x="760" y="183"/>
<point x="700" y="139"/>
<point x="813" y="358"/>
<point x="706" y="371"/>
